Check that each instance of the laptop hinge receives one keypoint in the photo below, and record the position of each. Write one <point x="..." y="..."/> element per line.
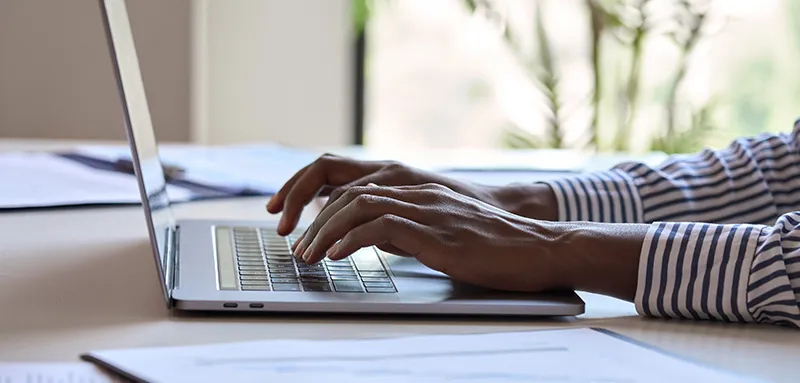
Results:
<point x="170" y="274"/>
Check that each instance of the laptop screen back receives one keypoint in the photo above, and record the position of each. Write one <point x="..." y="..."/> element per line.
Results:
<point x="139" y="127"/>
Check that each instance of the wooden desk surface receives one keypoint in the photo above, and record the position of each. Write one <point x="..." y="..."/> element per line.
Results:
<point x="73" y="280"/>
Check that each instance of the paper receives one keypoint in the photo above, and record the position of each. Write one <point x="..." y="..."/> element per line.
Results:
<point x="54" y="373"/>
<point x="44" y="180"/>
<point x="262" y="169"/>
<point x="573" y="355"/>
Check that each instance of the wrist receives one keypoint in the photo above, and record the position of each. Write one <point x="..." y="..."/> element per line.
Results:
<point x="537" y="201"/>
<point x="602" y="258"/>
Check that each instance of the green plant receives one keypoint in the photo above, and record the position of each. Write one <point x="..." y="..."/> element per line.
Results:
<point x="628" y="22"/>
<point x="360" y="13"/>
<point x="691" y="19"/>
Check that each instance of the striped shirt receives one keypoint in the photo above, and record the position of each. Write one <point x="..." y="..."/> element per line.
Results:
<point x="724" y="237"/>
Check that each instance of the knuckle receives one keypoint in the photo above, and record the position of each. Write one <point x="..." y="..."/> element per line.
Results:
<point x="393" y="166"/>
<point x="351" y="193"/>
<point x="366" y="200"/>
<point x="326" y="159"/>
<point x="388" y="221"/>
<point x="336" y="193"/>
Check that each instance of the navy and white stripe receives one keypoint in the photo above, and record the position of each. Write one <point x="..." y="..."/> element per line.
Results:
<point x="724" y="241"/>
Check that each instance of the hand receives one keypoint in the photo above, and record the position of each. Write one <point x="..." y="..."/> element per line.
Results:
<point x="467" y="239"/>
<point x="332" y="175"/>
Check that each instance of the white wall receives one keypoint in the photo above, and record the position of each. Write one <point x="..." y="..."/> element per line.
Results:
<point x="55" y="71"/>
<point x="272" y="70"/>
<point x="215" y="71"/>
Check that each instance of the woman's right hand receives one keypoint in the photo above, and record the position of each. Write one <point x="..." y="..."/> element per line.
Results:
<point x="332" y="175"/>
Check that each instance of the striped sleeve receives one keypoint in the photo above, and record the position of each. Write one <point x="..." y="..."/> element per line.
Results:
<point x="754" y="180"/>
<point x="724" y="239"/>
<point x="735" y="273"/>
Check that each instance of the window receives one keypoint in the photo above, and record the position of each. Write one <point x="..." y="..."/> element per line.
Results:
<point x="672" y="75"/>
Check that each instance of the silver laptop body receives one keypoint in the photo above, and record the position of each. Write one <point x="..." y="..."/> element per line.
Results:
<point x="245" y="266"/>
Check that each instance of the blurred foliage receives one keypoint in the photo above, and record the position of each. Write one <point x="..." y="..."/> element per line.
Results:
<point x="628" y="22"/>
<point x="360" y="12"/>
<point x="619" y="32"/>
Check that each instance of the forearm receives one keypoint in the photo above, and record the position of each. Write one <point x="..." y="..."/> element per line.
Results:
<point x="602" y="258"/>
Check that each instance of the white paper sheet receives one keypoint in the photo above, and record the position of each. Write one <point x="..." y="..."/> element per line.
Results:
<point x="262" y="168"/>
<point x="574" y="355"/>
<point x="53" y="373"/>
<point x="43" y="180"/>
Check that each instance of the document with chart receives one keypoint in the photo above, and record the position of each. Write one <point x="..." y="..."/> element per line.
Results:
<point x="572" y="355"/>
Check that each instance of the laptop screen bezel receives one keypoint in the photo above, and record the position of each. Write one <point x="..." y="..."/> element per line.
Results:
<point x="162" y="239"/>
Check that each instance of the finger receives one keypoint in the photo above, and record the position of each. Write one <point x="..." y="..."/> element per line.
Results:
<point x="302" y="191"/>
<point x="296" y="243"/>
<point x="386" y="231"/>
<point x="328" y="170"/>
<point x="275" y="204"/>
<point x="373" y="178"/>
<point x="364" y="208"/>
<point x="393" y="250"/>
<point x="350" y="195"/>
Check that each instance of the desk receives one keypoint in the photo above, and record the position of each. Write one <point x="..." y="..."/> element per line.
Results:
<point x="73" y="280"/>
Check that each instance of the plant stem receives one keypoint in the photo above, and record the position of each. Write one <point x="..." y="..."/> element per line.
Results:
<point x="634" y="77"/>
<point x="697" y="20"/>
<point x="549" y="80"/>
<point x="596" y="17"/>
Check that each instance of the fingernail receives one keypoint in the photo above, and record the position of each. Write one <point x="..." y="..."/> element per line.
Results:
<point x="307" y="254"/>
<point x="332" y="250"/>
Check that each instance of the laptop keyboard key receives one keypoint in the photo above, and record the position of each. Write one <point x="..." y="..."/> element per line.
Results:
<point x="256" y="288"/>
<point x="367" y="260"/>
<point x="253" y="272"/>
<point x="381" y="290"/>
<point x="250" y="263"/>
<point x="372" y="274"/>
<point x="344" y="277"/>
<point x="387" y="285"/>
<point x="342" y="272"/>
<point x="316" y="287"/>
<point x="376" y="280"/>
<point x="285" y="287"/>
<point x="313" y="274"/>
<point x="348" y="287"/>
<point x="253" y="277"/>
<point x="255" y="283"/>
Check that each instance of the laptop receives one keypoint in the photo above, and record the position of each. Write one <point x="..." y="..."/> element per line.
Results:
<point x="245" y="266"/>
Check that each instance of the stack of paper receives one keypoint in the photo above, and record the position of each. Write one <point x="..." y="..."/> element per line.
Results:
<point x="243" y="169"/>
<point x="45" y="180"/>
<point x="572" y="355"/>
<point x="54" y="373"/>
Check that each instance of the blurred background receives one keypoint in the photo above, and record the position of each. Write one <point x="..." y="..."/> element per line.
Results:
<point x="594" y="75"/>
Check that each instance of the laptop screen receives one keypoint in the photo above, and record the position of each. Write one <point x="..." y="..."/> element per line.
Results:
<point x="144" y="151"/>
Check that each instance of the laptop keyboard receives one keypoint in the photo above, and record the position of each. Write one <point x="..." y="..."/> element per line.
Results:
<point x="265" y="263"/>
